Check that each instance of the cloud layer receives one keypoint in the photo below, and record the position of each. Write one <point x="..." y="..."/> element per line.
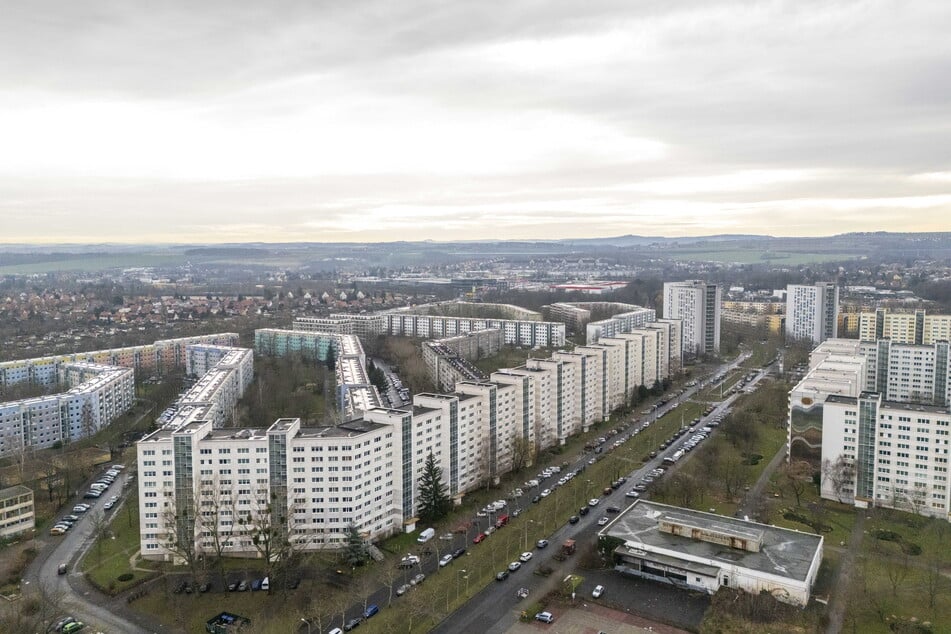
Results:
<point x="381" y="120"/>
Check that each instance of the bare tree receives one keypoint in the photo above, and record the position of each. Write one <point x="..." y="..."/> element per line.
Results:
<point x="215" y="518"/>
<point x="732" y="475"/>
<point x="270" y="526"/>
<point x="522" y="453"/>
<point x="935" y="582"/>
<point x="179" y="520"/>
<point x="797" y="476"/>
<point x="840" y="474"/>
<point x="897" y="570"/>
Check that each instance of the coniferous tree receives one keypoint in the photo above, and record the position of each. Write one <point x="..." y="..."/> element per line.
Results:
<point x="357" y="554"/>
<point x="434" y="502"/>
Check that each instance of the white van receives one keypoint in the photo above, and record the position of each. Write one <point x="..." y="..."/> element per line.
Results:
<point x="426" y="535"/>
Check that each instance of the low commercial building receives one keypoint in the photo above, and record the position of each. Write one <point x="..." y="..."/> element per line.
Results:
<point x="17" y="514"/>
<point x="704" y="552"/>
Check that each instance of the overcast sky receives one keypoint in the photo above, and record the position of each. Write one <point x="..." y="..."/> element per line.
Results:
<point x="218" y="121"/>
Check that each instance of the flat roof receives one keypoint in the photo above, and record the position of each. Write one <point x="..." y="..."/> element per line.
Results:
<point x="908" y="407"/>
<point x="783" y="552"/>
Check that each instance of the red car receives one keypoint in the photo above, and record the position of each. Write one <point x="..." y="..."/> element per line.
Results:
<point x="478" y="538"/>
<point x="502" y="521"/>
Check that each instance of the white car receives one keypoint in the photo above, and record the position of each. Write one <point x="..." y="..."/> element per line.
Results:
<point x="597" y="592"/>
<point x="594" y="502"/>
<point x="524" y="557"/>
<point x="515" y="565"/>
<point x="602" y="521"/>
<point x="445" y="561"/>
<point x="546" y="493"/>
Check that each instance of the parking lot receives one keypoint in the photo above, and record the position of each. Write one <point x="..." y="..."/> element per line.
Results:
<point x="591" y="619"/>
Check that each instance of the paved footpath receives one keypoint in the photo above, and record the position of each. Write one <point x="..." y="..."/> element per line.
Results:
<point x="840" y="591"/>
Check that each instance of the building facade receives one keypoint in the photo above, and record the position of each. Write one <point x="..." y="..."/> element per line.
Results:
<point x="910" y="327"/>
<point x="17" y="513"/>
<point x="697" y="305"/>
<point x="812" y="312"/>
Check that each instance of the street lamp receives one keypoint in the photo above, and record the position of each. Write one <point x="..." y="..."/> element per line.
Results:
<point x="525" y="537"/>
<point x="308" y="624"/>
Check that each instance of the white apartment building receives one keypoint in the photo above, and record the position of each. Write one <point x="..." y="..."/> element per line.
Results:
<point x="880" y="453"/>
<point x="101" y="387"/>
<point x="812" y="311"/>
<point x="360" y="324"/>
<point x="533" y="334"/>
<point x="99" y="394"/>
<point x="697" y="305"/>
<point x="475" y="434"/>
<point x="562" y="384"/>
<point x="620" y="323"/>
<point x="874" y="416"/>
<point x="218" y="486"/>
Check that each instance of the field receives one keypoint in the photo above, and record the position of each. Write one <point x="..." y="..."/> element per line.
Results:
<point x="92" y="263"/>
<point x="758" y="256"/>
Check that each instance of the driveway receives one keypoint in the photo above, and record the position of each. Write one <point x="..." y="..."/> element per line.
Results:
<point x="72" y="592"/>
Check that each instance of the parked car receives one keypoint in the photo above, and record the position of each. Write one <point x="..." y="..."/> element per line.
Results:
<point x="459" y="552"/>
<point x="613" y="509"/>
<point x="445" y="561"/>
<point x="75" y="626"/>
<point x="352" y="623"/>
<point x="603" y="520"/>
<point x="418" y="579"/>
<point x="478" y="538"/>
<point x="502" y="576"/>
<point x="62" y="570"/>
<point x="403" y="589"/>
<point x="541" y="543"/>
<point x="526" y="556"/>
<point x="545" y="617"/>
<point x="597" y="592"/>
<point x="515" y="565"/>
<point x="243" y="586"/>
<point x="594" y="501"/>
<point x="81" y="508"/>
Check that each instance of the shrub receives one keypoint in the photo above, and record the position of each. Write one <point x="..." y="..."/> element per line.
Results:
<point x="125" y="576"/>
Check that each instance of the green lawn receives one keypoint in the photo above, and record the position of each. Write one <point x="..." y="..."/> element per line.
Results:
<point x="108" y="558"/>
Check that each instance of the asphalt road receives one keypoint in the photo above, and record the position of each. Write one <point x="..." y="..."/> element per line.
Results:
<point x="75" y="596"/>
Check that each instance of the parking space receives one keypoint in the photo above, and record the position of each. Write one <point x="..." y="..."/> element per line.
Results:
<point x="650" y="600"/>
<point x="587" y="618"/>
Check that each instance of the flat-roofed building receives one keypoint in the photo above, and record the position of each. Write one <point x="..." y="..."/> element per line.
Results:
<point x="887" y="454"/>
<point x="812" y="311"/>
<point x="17" y="512"/>
<point x="704" y="552"/>
<point x="697" y="304"/>
<point x="904" y="327"/>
